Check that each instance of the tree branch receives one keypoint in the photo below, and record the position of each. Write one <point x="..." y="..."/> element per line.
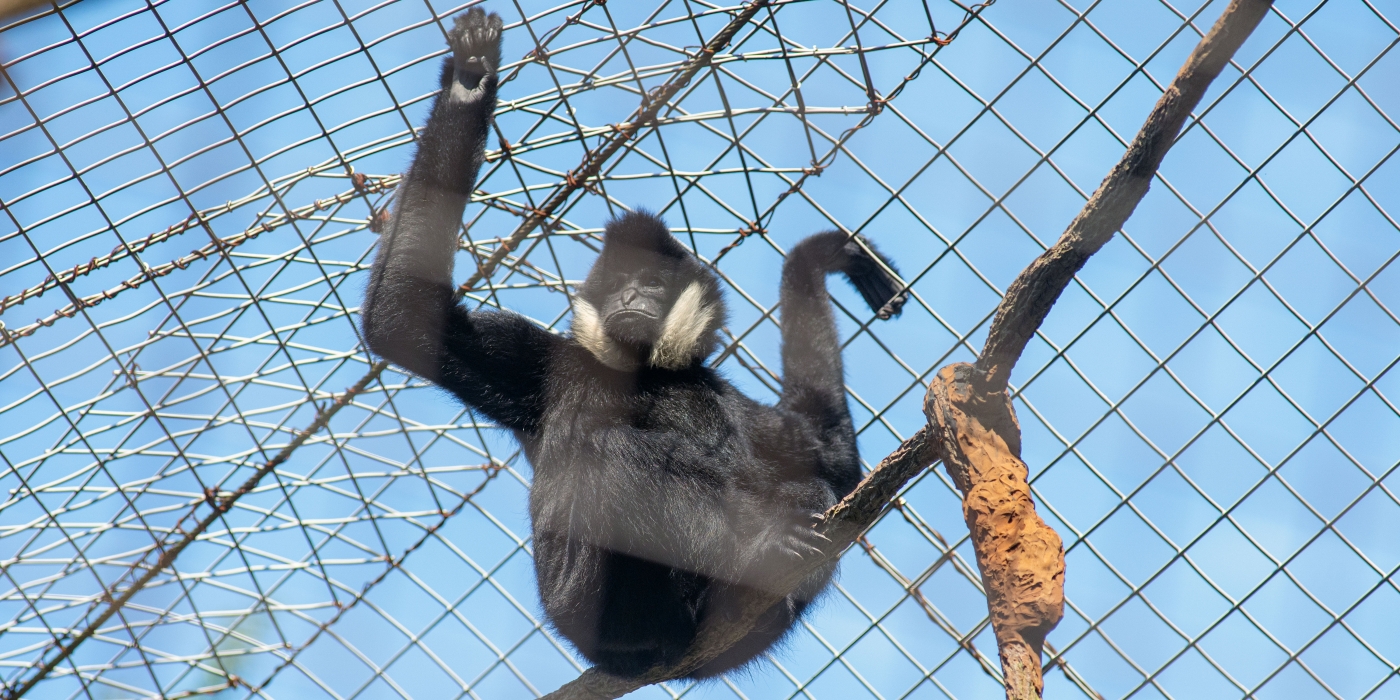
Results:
<point x="1030" y="297"/>
<point x="972" y="427"/>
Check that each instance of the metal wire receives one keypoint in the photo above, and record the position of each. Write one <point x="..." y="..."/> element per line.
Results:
<point x="211" y="489"/>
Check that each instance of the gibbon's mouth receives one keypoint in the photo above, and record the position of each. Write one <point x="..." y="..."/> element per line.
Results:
<point x="624" y="313"/>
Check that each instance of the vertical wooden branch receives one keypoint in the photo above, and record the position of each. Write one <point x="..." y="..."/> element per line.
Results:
<point x="972" y="426"/>
<point x="1021" y="558"/>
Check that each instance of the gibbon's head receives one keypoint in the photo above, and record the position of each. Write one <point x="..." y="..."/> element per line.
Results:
<point x="647" y="300"/>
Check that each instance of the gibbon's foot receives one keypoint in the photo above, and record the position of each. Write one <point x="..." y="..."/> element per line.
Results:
<point x="798" y="540"/>
<point x="882" y="291"/>
<point x="475" y="39"/>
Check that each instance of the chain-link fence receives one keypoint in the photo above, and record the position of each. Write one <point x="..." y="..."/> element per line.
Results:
<point x="1209" y="413"/>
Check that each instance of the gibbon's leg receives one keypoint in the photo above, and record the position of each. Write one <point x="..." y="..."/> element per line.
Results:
<point x="813" y="382"/>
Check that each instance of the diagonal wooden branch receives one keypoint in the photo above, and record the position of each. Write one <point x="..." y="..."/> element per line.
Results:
<point x="973" y="428"/>
<point x="1036" y="289"/>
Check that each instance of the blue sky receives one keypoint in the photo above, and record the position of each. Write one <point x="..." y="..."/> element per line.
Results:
<point x="1209" y="414"/>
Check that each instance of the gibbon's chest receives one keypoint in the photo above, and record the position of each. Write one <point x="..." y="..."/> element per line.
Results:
<point x="655" y="419"/>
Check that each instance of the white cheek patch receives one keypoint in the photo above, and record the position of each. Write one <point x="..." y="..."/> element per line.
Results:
<point x="688" y="320"/>
<point x="588" y="331"/>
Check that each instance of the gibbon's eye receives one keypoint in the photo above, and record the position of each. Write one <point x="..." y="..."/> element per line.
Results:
<point x="619" y="280"/>
<point x="652" y="280"/>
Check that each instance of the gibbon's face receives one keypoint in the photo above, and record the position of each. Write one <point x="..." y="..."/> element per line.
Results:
<point x="634" y="303"/>
<point x="647" y="300"/>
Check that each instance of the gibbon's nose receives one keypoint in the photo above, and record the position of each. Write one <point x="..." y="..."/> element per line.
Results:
<point x="629" y="295"/>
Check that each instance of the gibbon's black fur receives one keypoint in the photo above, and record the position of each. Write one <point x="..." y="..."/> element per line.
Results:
<point x="659" y="490"/>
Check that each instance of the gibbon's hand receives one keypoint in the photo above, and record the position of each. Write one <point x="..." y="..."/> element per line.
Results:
<point x="475" y="39"/>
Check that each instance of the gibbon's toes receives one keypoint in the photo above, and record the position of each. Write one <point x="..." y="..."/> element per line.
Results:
<point x="475" y="39"/>
<point x="800" y="541"/>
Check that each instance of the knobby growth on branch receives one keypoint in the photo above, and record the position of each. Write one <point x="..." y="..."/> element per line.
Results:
<point x="972" y="426"/>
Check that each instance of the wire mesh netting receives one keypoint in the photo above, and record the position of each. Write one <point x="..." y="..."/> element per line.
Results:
<point x="189" y="189"/>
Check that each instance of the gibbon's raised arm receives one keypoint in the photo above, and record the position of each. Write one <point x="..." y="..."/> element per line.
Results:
<point x="493" y="361"/>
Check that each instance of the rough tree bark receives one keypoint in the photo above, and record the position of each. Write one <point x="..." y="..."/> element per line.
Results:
<point x="973" y="429"/>
<point x="1021" y="559"/>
